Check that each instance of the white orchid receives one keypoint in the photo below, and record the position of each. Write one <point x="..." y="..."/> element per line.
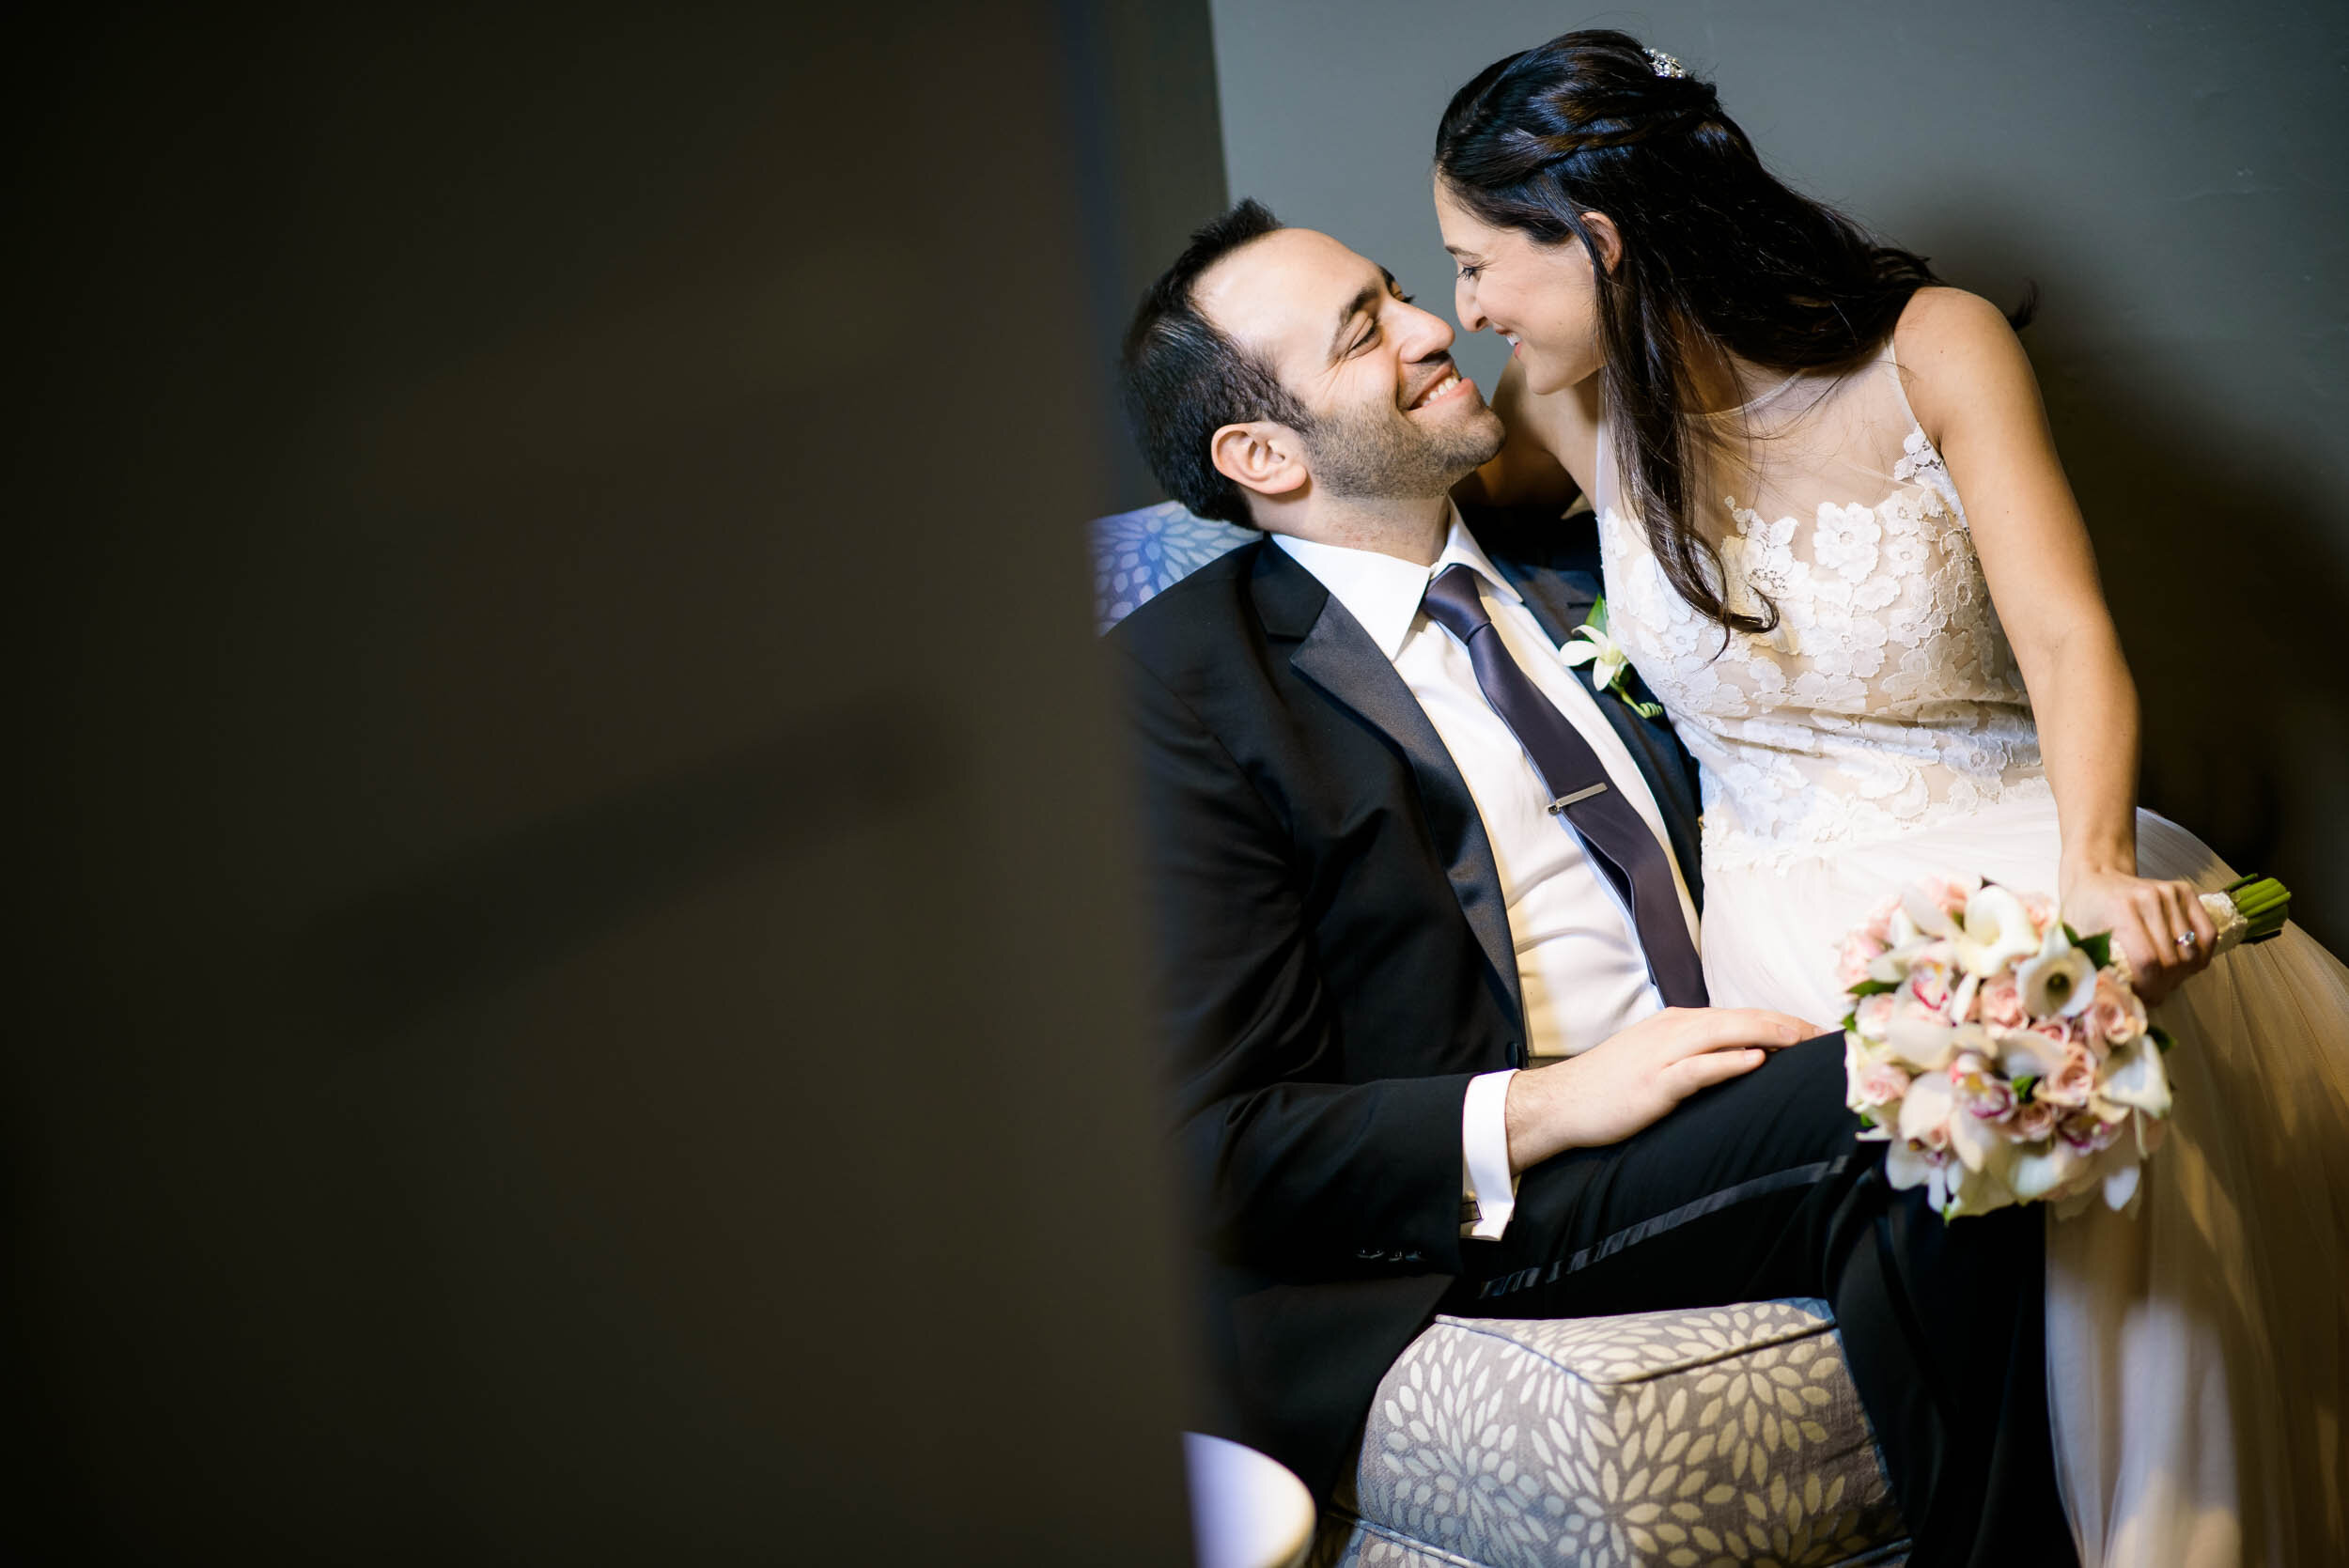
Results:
<point x="2121" y="1185"/>
<point x="1923" y="1046"/>
<point x="1926" y="915"/>
<point x="1589" y="643"/>
<point x="1998" y="930"/>
<point x="2059" y="981"/>
<point x="2033" y="1176"/>
<point x="1891" y="967"/>
<point x="2027" y="1053"/>
<point x="1925" y="1111"/>
<point x="1937" y="1171"/>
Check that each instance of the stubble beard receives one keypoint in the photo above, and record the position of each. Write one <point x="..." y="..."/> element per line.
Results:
<point x="1370" y="456"/>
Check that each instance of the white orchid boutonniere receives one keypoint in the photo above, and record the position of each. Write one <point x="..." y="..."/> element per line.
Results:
<point x="1589" y="643"/>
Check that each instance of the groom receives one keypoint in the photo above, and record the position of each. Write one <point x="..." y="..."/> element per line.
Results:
<point x="1427" y="924"/>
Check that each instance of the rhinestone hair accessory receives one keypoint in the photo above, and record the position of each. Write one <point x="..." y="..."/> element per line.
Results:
<point x="1663" y="64"/>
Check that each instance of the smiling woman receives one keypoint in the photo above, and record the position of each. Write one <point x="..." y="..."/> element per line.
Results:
<point x="1838" y="546"/>
<point x="1660" y="257"/>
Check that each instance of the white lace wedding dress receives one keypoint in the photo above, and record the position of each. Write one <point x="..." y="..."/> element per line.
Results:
<point x="2197" y="1346"/>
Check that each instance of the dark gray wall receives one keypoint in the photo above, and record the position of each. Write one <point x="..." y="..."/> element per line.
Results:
<point x="583" y="1003"/>
<point x="2171" y="175"/>
<point x="1155" y="167"/>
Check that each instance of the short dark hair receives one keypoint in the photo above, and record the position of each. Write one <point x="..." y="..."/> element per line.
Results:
<point x="1184" y="379"/>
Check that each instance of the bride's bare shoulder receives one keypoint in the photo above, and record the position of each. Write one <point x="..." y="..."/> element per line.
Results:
<point x="1547" y="455"/>
<point x="1954" y="347"/>
<point x="1565" y="422"/>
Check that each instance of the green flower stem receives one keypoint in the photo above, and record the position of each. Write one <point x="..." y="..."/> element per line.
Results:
<point x="2264" y="903"/>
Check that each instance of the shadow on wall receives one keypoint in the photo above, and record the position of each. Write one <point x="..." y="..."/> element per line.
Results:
<point x="2218" y="550"/>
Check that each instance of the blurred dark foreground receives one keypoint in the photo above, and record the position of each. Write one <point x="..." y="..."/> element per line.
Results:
<point x="583" y="998"/>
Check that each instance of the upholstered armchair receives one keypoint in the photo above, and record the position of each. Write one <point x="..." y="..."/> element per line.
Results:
<point x="1718" y="1435"/>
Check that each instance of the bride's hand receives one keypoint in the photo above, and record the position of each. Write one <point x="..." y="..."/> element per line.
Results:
<point x="2147" y="920"/>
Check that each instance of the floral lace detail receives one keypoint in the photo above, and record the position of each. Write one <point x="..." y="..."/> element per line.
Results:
<point x="1886" y="697"/>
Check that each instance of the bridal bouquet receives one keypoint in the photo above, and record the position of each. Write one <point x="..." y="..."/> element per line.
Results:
<point x="2005" y="1057"/>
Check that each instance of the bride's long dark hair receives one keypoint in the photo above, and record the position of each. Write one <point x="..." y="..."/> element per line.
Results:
<point x="1718" y="256"/>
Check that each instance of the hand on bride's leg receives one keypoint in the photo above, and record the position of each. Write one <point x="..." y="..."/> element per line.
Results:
<point x="2160" y="928"/>
<point x="1634" y="1079"/>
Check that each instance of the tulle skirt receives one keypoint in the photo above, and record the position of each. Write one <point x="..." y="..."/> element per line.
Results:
<point x="2198" y="1344"/>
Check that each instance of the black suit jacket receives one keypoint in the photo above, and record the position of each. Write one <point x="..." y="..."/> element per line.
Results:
<point x="1335" y="964"/>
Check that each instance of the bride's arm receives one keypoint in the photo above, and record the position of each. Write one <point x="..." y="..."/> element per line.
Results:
<point x="1527" y="472"/>
<point x="1973" y="391"/>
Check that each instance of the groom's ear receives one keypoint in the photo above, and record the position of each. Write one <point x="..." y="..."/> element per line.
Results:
<point x="1261" y="456"/>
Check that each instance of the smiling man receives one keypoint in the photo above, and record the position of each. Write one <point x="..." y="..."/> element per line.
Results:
<point x="1427" y="935"/>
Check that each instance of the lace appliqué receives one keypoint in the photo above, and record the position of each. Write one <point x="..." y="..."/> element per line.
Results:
<point x="1886" y="697"/>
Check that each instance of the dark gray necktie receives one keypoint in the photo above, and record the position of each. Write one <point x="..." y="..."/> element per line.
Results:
<point x="1617" y="838"/>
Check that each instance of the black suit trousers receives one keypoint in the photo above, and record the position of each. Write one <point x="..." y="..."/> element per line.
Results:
<point x="1758" y="1189"/>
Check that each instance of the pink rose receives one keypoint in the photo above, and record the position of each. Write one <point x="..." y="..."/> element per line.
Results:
<point x="1949" y="895"/>
<point x="2002" y="1003"/>
<point x="2117" y="1015"/>
<point x="2042" y="910"/>
<point x="2070" y="1086"/>
<point x="1877" y="925"/>
<point x="1851" y="961"/>
<point x="1874" y="1015"/>
<point x="2033" y="1120"/>
<point x="2058" y="1030"/>
<point x="1881" y="1083"/>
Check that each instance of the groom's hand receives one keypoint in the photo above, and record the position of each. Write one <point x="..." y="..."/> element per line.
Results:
<point x="1629" y="1080"/>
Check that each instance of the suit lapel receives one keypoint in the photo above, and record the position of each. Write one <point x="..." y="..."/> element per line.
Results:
<point x="1336" y="655"/>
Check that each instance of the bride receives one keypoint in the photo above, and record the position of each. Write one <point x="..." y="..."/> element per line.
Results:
<point x="1840" y="549"/>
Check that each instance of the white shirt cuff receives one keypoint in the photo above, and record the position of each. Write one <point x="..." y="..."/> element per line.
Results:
<point x="1485" y="1179"/>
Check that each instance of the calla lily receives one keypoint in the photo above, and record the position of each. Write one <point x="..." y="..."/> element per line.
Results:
<point x="1998" y="930"/>
<point x="2060" y="980"/>
<point x="2134" y="1076"/>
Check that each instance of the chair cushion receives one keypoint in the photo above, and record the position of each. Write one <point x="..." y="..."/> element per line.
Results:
<point x="1138" y="555"/>
<point x="1727" y="1435"/>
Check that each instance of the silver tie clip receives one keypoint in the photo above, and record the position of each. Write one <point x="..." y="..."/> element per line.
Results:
<point x="1565" y="801"/>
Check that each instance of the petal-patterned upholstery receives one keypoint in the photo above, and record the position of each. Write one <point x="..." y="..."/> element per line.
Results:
<point x="1727" y="1435"/>
<point x="1138" y="555"/>
<point x="1721" y="1436"/>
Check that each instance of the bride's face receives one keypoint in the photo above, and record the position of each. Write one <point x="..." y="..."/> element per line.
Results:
<point x="1543" y="298"/>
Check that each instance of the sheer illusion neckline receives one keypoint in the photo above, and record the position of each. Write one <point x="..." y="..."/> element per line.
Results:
<point x="1764" y="396"/>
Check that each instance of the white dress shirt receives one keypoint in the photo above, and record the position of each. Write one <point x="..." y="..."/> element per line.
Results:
<point x="1581" y="968"/>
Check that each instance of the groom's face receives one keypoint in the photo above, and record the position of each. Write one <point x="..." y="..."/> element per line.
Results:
<point x="1391" y="414"/>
